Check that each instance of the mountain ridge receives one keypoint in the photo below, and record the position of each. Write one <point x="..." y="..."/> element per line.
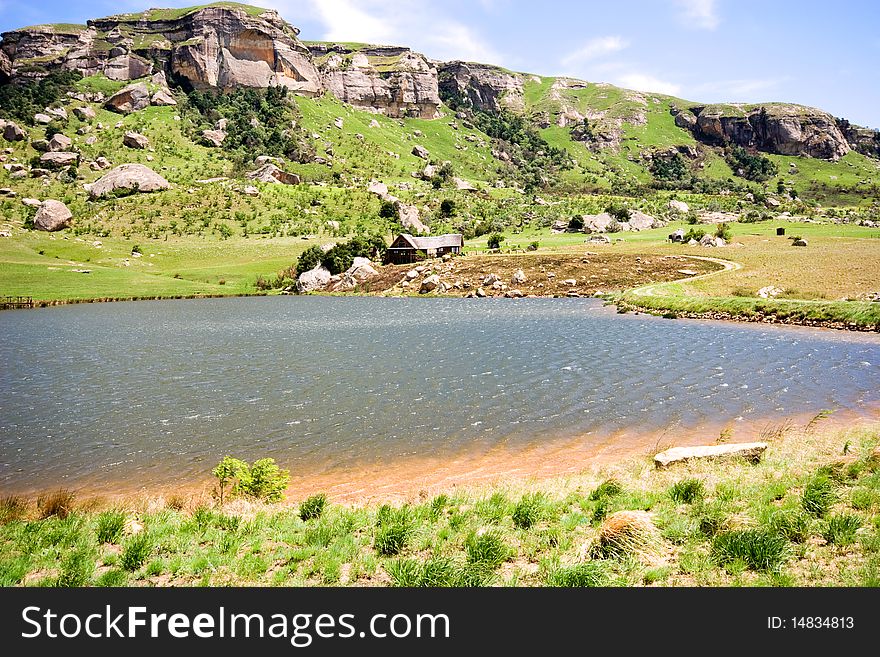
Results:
<point x="226" y="45"/>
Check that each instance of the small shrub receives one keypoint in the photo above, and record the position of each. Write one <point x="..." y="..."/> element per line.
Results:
<point x="12" y="508"/>
<point x="113" y="578"/>
<point x="110" y="526"/>
<point x="495" y="240"/>
<point x="527" y="511"/>
<point x="791" y="524"/>
<point x="263" y="480"/>
<point x="437" y="572"/>
<point x="394" y="529"/>
<point x="627" y="533"/>
<point x="687" y="491"/>
<point x="447" y="208"/>
<point x="582" y="575"/>
<point x="758" y="549"/>
<point x="77" y="567"/>
<point x="313" y="507"/>
<point x="865" y="499"/>
<point x="486" y="549"/>
<point x="576" y="224"/>
<point x="694" y="234"/>
<point x="723" y="231"/>
<point x="818" y="495"/>
<point x="136" y="551"/>
<point x="608" y="488"/>
<point x="437" y="505"/>
<point x="59" y="504"/>
<point x="841" y="529"/>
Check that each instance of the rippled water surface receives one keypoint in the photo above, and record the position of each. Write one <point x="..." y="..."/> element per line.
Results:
<point x="150" y="393"/>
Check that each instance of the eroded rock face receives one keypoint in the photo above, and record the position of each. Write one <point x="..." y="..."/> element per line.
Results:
<point x="862" y="140"/>
<point x="390" y="80"/>
<point x="127" y="177"/>
<point x="269" y="173"/>
<point x="483" y="87"/>
<point x="222" y="47"/>
<point x="781" y="129"/>
<point x="52" y="216"/>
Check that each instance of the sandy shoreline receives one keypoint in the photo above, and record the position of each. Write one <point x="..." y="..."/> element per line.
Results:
<point x="415" y="478"/>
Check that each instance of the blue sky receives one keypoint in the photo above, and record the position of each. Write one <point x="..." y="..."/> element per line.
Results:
<point x="806" y="52"/>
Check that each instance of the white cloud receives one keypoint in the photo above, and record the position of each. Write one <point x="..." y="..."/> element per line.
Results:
<point x="743" y="89"/>
<point x="594" y="48"/>
<point x="418" y="24"/>
<point x="701" y="14"/>
<point x="643" y="82"/>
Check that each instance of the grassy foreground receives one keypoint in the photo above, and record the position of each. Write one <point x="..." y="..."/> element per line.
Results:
<point x="808" y="514"/>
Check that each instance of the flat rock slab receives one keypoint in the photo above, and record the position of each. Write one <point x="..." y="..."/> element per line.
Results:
<point x="749" y="451"/>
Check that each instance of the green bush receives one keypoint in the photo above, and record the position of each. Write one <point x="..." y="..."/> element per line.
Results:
<point x="841" y="529"/>
<point x="527" y="512"/>
<point x="263" y="480"/>
<point x="576" y="224"/>
<point x="687" y="491"/>
<point x="582" y="575"/>
<point x="135" y="551"/>
<point x="313" y="507"/>
<point x="486" y="549"/>
<point x="723" y="231"/>
<point x="394" y="527"/>
<point x="694" y="234"/>
<point x="756" y="549"/>
<point x="21" y="101"/>
<point x="791" y="524"/>
<point x="608" y="488"/>
<point x="750" y="166"/>
<point x="495" y="240"/>
<point x="110" y="526"/>
<point x="447" y="208"/>
<point x="818" y="495"/>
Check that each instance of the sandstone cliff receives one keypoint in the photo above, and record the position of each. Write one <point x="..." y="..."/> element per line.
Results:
<point x="394" y="81"/>
<point x="214" y="46"/>
<point x="774" y="128"/>
<point x="483" y="87"/>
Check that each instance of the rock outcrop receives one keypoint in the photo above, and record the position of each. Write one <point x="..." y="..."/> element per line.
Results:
<point x="52" y="216"/>
<point x="480" y="86"/>
<point x="393" y="81"/>
<point x="313" y="280"/>
<point x="777" y="128"/>
<point x="127" y="178"/>
<point x="211" y="46"/>
<point x="862" y="140"/>
<point x="269" y="173"/>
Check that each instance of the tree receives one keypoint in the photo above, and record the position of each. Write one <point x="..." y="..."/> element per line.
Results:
<point x="229" y="471"/>
<point x="447" y="208"/>
<point x="495" y="240"/>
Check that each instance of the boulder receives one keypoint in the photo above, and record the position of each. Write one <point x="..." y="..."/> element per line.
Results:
<point x="599" y="239"/>
<point x="136" y="140"/>
<point x="31" y="202"/>
<point x="410" y="219"/>
<point x="58" y="113"/>
<point x="518" y="278"/>
<point x="269" y="173"/>
<point x="52" y="216"/>
<point x="128" y="177"/>
<point x="679" y="206"/>
<point x="429" y="284"/>
<point x="711" y="240"/>
<point x="429" y="171"/>
<point x="677" y="237"/>
<point x="772" y="202"/>
<point x="59" y="160"/>
<point x="42" y="119"/>
<point x="799" y="242"/>
<point x="60" y="143"/>
<point x="214" y="138"/>
<point x="749" y="451"/>
<point x="380" y="189"/>
<point x="421" y="151"/>
<point x="463" y="185"/>
<point x="315" y="279"/>
<point x="250" y="190"/>
<point x="412" y="275"/>
<point x="769" y="292"/>
<point x="11" y="132"/>
<point x="262" y="160"/>
<point x="163" y="98"/>
<point x="40" y="145"/>
<point x="133" y="98"/>
<point x="84" y="113"/>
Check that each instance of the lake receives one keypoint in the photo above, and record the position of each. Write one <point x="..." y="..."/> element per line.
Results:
<point x="146" y="395"/>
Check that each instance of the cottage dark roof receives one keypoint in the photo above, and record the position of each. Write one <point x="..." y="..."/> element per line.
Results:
<point x="431" y="243"/>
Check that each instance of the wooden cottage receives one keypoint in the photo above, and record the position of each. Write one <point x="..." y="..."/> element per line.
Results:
<point x="406" y="248"/>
